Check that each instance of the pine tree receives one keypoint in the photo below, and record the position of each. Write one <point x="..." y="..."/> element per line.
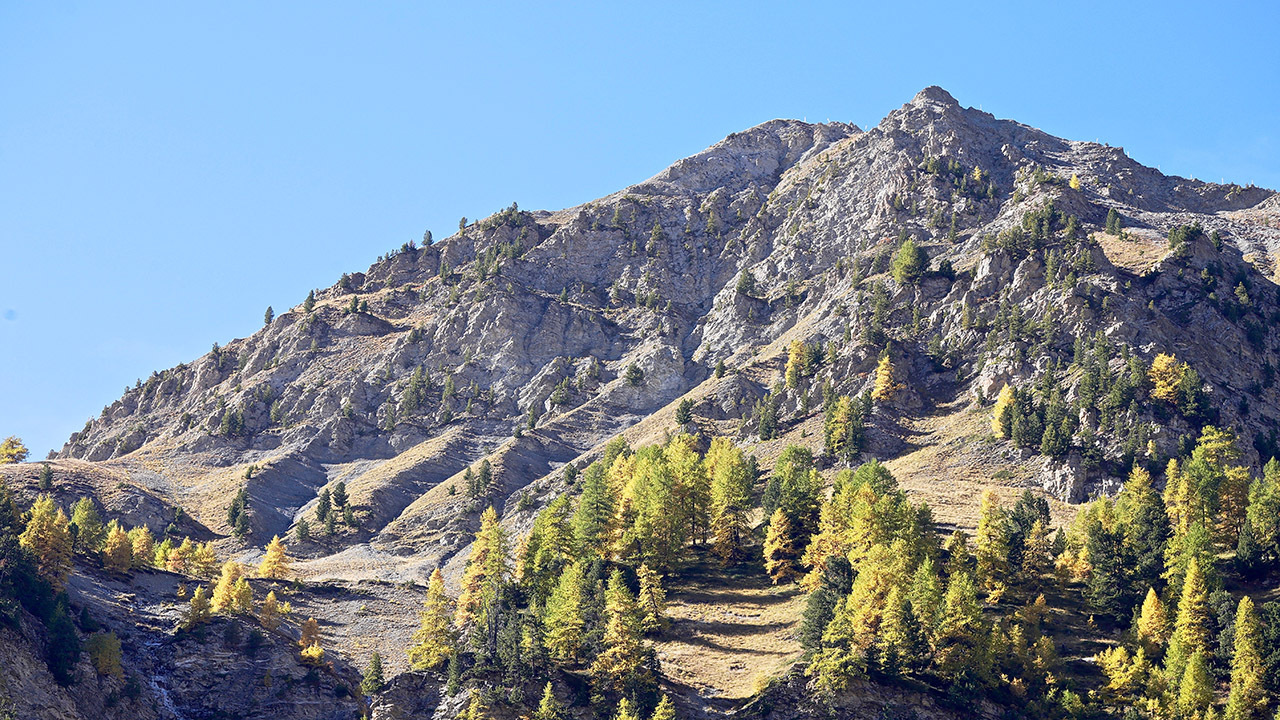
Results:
<point x="48" y="537"/>
<point x="781" y="554"/>
<point x="63" y="650"/>
<point x="46" y="477"/>
<point x="275" y="562"/>
<point x="117" y="555"/>
<point x="224" y="591"/>
<point x="324" y="506"/>
<point x="198" y="611"/>
<point x="310" y="302"/>
<point x="303" y="530"/>
<point x="652" y="600"/>
<point x="434" y="641"/>
<point x="621" y="665"/>
<point x="549" y="708"/>
<point x="909" y="263"/>
<point x="486" y="569"/>
<point x="593" y="520"/>
<point x="1247" y="700"/>
<point x="563" y="618"/>
<point x="372" y="682"/>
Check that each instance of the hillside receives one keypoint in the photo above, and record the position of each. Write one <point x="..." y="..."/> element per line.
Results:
<point x="750" y="285"/>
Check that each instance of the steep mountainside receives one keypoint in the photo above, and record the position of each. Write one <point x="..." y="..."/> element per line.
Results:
<point x="529" y="339"/>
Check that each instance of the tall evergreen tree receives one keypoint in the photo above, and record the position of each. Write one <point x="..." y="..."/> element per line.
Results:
<point x="563" y="618"/>
<point x="1247" y="700"/>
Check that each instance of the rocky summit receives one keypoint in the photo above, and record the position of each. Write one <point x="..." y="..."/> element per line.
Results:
<point x="998" y="304"/>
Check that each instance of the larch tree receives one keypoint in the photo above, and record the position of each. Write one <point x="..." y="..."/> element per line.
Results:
<point x="275" y="562"/>
<point x="796" y="357"/>
<point x="12" y="450"/>
<point x="143" y="547"/>
<point x="90" y="532"/>
<point x="885" y="387"/>
<point x="434" y="640"/>
<point x="960" y="634"/>
<point x="48" y="537"/>
<point x="1165" y="375"/>
<point x="1152" y="628"/>
<point x="652" y="600"/>
<point x="730" y="499"/>
<point x="1191" y="628"/>
<point x="199" y="610"/>
<point x="992" y="545"/>
<point x="666" y="710"/>
<point x="1247" y="699"/>
<point x="269" y="614"/>
<point x="593" y="519"/>
<point x="486" y="569"/>
<point x="117" y="554"/>
<point x="224" y="598"/>
<point x="242" y="597"/>
<point x="1196" y="687"/>
<point x="621" y="665"/>
<point x="549" y="708"/>
<point x="563" y="619"/>
<point x="781" y="553"/>
<point x="1002" y="413"/>
<point x="843" y="429"/>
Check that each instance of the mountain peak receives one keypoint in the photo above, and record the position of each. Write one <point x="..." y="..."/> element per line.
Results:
<point x="934" y="94"/>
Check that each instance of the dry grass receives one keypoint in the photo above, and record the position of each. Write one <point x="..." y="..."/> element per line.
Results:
<point x="1136" y="252"/>
<point x="730" y="630"/>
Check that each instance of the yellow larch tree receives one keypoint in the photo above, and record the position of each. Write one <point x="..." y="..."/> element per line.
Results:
<point x="275" y="563"/>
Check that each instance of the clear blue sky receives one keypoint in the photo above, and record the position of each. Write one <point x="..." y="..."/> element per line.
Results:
<point x="168" y="171"/>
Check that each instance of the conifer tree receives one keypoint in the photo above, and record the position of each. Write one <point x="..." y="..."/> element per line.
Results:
<point x="626" y="710"/>
<point x="309" y="633"/>
<point x="486" y="569"/>
<point x="324" y="506"/>
<point x="549" y="708"/>
<point x="269" y="614"/>
<point x="843" y="430"/>
<point x="90" y="532"/>
<point x="204" y="560"/>
<point x="142" y="547"/>
<point x="117" y="555"/>
<point x="992" y="545"/>
<point x="372" y="682"/>
<point x="781" y="554"/>
<point x="339" y="495"/>
<point x="548" y="549"/>
<point x="927" y="598"/>
<point x="593" y="519"/>
<point x="1195" y="690"/>
<point x="1191" y="628"/>
<point x="960" y="633"/>
<point x="63" y="651"/>
<point x="730" y="498"/>
<point x="1165" y="375"/>
<point x="909" y="263"/>
<point x="652" y="600"/>
<point x="666" y="710"/>
<point x="885" y="386"/>
<point x="795" y="363"/>
<point x="1002" y="413"/>
<point x="563" y="619"/>
<point x="48" y="537"/>
<point x="691" y="486"/>
<point x="12" y="450"/>
<point x="275" y="562"/>
<point x="1153" y="625"/>
<point x="224" y="591"/>
<point x="1247" y="700"/>
<point x="434" y="641"/>
<point x="621" y="665"/>
<point x="198" y="611"/>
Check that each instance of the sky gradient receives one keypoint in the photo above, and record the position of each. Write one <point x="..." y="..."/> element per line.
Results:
<point x="166" y="173"/>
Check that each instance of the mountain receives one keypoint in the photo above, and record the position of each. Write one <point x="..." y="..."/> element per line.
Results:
<point x="529" y="339"/>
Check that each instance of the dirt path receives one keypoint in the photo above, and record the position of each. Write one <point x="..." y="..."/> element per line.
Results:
<point x="730" y="630"/>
